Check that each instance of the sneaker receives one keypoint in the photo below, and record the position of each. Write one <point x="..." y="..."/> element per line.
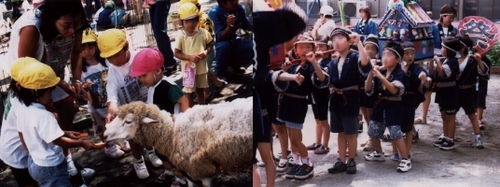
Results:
<point x="305" y="172"/>
<point x="76" y="170"/>
<point x="351" y="166"/>
<point x="290" y="174"/>
<point x="395" y="157"/>
<point x="415" y="136"/>
<point x="338" y="167"/>
<point x="375" y="156"/>
<point x="153" y="159"/>
<point x="282" y="165"/>
<point x="360" y="129"/>
<point x="404" y="165"/>
<point x="478" y="141"/>
<point x="87" y="173"/>
<point x="368" y="146"/>
<point x="321" y="150"/>
<point x="313" y="146"/>
<point x="125" y="146"/>
<point x="140" y="168"/>
<point x="439" y="142"/>
<point x="165" y="177"/>
<point x="447" y="145"/>
<point x="113" y="151"/>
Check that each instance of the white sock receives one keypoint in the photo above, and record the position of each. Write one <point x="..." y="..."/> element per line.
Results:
<point x="71" y="166"/>
<point x="305" y="160"/>
<point x="295" y="157"/>
<point x="150" y="151"/>
<point x="168" y="172"/>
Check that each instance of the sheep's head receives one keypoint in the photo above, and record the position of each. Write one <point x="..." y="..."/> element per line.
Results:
<point x="129" y="119"/>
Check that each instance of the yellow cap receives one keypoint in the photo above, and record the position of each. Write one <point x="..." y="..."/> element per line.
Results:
<point x="188" y="1"/>
<point x="111" y="41"/>
<point x="188" y="11"/>
<point x="88" y="36"/>
<point x="37" y="76"/>
<point x="19" y="64"/>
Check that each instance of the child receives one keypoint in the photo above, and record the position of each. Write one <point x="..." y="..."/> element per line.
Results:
<point x="471" y="66"/>
<point x="417" y="84"/>
<point x="105" y="15"/>
<point x="13" y="153"/>
<point x="388" y="85"/>
<point x="440" y="31"/>
<point x="147" y="67"/>
<point x="320" y="102"/>
<point x="94" y="77"/>
<point x="293" y="104"/>
<point x="445" y="75"/>
<point x="120" y="17"/>
<point x="193" y="45"/>
<point x="38" y="128"/>
<point x="366" y="103"/>
<point x="121" y="89"/>
<point x="343" y="74"/>
<point x="481" y="92"/>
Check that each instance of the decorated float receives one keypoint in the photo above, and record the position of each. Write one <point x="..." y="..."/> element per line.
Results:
<point x="407" y="21"/>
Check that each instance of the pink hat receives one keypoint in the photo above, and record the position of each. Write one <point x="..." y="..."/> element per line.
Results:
<point x="145" y="61"/>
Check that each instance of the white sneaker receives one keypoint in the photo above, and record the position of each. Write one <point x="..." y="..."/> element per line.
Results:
<point x="87" y="173"/>
<point x="140" y="168"/>
<point x="113" y="151"/>
<point x="153" y="159"/>
<point x="125" y="146"/>
<point x="374" y="156"/>
<point x="282" y="165"/>
<point x="404" y="165"/>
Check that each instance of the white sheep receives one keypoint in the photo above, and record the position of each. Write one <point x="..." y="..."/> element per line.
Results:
<point x="202" y="140"/>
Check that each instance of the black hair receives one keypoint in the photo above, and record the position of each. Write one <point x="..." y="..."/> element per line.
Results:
<point x="220" y="2"/>
<point x="372" y="38"/>
<point x="465" y="39"/>
<point x="396" y="46"/>
<point x="322" y="38"/>
<point x="51" y="11"/>
<point x="453" y="43"/>
<point x="446" y="9"/>
<point x="119" y="4"/>
<point x="29" y="96"/>
<point x="13" y="87"/>
<point x="97" y="56"/>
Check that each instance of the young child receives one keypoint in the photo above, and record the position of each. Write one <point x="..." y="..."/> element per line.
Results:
<point x="193" y="45"/>
<point x="120" y="17"/>
<point x="147" y="67"/>
<point x="38" y="128"/>
<point x="121" y="89"/>
<point x="481" y="92"/>
<point x="320" y="102"/>
<point x="293" y="104"/>
<point x="388" y="85"/>
<point x="13" y="153"/>
<point x="365" y="102"/>
<point x="445" y="74"/>
<point x="343" y="74"/>
<point x="94" y="78"/>
<point x="416" y="85"/>
<point x="471" y="67"/>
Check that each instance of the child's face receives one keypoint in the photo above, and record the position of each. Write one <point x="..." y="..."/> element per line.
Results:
<point x="88" y="51"/>
<point x="409" y="56"/>
<point x="443" y="50"/>
<point x="190" y="25"/>
<point x="371" y="50"/>
<point x="340" y="43"/>
<point x="230" y="5"/>
<point x="447" y="20"/>
<point x="149" y="79"/>
<point x="119" y="59"/>
<point x="321" y="47"/>
<point x="389" y="59"/>
<point x="301" y="49"/>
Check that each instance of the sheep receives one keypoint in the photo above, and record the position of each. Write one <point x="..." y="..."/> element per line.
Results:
<point x="201" y="141"/>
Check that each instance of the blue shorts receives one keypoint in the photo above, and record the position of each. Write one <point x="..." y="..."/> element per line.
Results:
<point x="293" y="125"/>
<point x="49" y="176"/>
<point x="376" y="130"/>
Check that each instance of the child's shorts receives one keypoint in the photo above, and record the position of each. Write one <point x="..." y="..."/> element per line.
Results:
<point x="467" y="101"/>
<point x="376" y="130"/>
<point x="293" y="125"/>
<point x="406" y="127"/>
<point x="49" y="176"/>
<point x="201" y="82"/>
<point x="346" y="124"/>
<point x="22" y="176"/>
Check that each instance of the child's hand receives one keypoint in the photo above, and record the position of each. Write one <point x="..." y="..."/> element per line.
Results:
<point x="376" y="72"/>
<point x="335" y="55"/>
<point x="194" y="58"/>
<point x="299" y="78"/>
<point x="74" y="134"/>
<point x="354" y="37"/>
<point x="202" y="55"/>
<point x="478" y="57"/>
<point x="87" y="145"/>
<point x="230" y="20"/>
<point x="311" y="56"/>
<point x="422" y="76"/>
<point x="373" y="62"/>
<point x="436" y="58"/>
<point x="112" y="109"/>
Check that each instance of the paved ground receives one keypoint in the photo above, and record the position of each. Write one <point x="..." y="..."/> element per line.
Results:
<point x="464" y="166"/>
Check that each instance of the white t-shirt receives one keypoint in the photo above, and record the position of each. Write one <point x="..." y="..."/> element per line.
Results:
<point x="29" y="19"/>
<point x="327" y="28"/>
<point x="12" y="151"/>
<point x="96" y="75"/>
<point x="121" y="87"/>
<point x="445" y="31"/>
<point x="40" y="129"/>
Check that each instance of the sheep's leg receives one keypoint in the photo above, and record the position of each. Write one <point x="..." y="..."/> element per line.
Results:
<point x="207" y="182"/>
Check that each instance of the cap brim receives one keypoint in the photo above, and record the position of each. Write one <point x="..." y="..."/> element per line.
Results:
<point x="54" y="82"/>
<point x="111" y="52"/>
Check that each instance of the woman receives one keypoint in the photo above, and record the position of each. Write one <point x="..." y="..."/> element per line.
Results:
<point x="366" y="25"/>
<point x="49" y="34"/>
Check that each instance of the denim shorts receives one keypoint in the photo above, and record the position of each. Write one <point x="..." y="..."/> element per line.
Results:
<point x="376" y="130"/>
<point x="50" y="176"/>
<point x="293" y="125"/>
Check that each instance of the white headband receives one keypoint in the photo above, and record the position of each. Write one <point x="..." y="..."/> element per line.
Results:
<point x="445" y="46"/>
<point x="393" y="50"/>
<point x="321" y="43"/>
<point x="409" y="48"/>
<point x="463" y="44"/>
<point x="446" y="14"/>
<point x="370" y="42"/>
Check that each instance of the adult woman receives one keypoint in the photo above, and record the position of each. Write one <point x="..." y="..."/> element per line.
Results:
<point x="365" y="26"/>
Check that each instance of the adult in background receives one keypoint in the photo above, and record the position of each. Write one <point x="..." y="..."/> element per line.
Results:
<point x="365" y="26"/>
<point x="229" y="16"/>
<point x="53" y="36"/>
<point x="158" y="14"/>
<point x="88" y="8"/>
<point x="325" y="24"/>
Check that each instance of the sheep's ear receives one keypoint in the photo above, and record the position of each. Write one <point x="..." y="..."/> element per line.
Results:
<point x="147" y="120"/>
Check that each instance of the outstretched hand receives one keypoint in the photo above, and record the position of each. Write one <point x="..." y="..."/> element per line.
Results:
<point x="299" y="78"/>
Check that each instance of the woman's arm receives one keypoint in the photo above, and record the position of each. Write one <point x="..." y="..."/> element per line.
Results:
<point x="27" y="38"/>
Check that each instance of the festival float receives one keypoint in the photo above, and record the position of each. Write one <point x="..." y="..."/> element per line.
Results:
<point x="407" y="21"/>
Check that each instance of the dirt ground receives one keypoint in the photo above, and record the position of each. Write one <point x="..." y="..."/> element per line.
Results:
<point x="464" y="166"/>
<point x="120" y="172"/>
